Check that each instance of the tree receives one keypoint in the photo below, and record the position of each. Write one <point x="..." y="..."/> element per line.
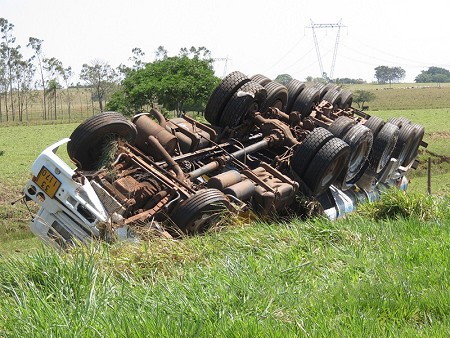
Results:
<point x="160" y="53"/>
<point x="25" y="77"/>
<point x="15" y="66"/>
<point x="385" y="74"/>
<point x="316" y="79"/>
<point x="137" y="58"/>
<point x="100" y="77"/>
<point x="346" y="80"/>
<point x="55" y="70"/>
<point x="36" y="45"/>
<point x="283" y="79"/>
<point x="67" y="74"/>
<point x="363" y="96"/>
<point x="3" y="84"/>
<point x="433" y="74"/>
<point x="52" y="88"/>
<point x="176" y="82"/>
<point x="9" y="54"/>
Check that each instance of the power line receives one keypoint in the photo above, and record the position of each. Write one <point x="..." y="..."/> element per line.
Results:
<point x="286" y="54"/>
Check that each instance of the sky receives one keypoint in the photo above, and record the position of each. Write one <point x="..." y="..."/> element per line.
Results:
<point x="253" y="36"/>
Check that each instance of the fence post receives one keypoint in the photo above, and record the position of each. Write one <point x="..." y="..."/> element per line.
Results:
<point x="429" y="175"/>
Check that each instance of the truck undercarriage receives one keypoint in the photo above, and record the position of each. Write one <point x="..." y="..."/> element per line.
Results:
<point x="267" y="148"/>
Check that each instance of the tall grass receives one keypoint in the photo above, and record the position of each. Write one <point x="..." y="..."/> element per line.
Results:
<point x="354" y="277"/>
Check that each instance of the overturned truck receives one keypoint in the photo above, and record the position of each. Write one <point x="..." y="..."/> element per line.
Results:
<point x="269" y="148"/>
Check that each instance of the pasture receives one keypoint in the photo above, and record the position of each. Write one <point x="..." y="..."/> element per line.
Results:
<point x="76" y="104"/>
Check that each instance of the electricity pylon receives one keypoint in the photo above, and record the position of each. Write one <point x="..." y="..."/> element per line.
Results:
<point x="313" y="26"/>
<point x="226" y="64"/>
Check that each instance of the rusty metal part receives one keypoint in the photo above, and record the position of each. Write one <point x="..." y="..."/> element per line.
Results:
<point x="160" y="117"/>
<point x="149" y="213"/>
<point x="172" y="164"/>
<point x="279" y="175"/>
<point x="282" y="190"/>
<point x="160" y="174"/>
<point x="253" y="175"/>
<point x="243" y="190"/>
<point x="146" y="128"/>
<point x="191" y="134"/>
<point x="275" y="113"/>
<point x="237" y="155"/>
<point x="224" y="180"/>
<point x="212" y="151"/>
<point x="184" y="142"/>
<point x="323" y="115"/>
<point x="140" y="192"/>
<point x="278" y="131"/>
<point x="195" y="124"/>
<point x="127" y="186"/>
<point x="189" y="141"/>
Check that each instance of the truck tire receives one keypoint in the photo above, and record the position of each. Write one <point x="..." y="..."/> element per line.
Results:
<point x="326" y="166"/>
<point x="306" y="100"/>
<point x="334" y="97"/>
<point x="405" y="141"/>
<point x="383" y="146"/>
<point x="375" y="124"/>
<point x="346" y="99"/>
<point x="414" y="150"/>
<point x="326" y="88"/>
<point x="399" y="121"/>
<point x="261" y="79"/>
<point x="248" y="98"/>
<point x="308" y="148"/>
<point x="199" y="211"/>
<point x="294" y="88"/>
<point x="222" y="94"/>
<point x="89" y="139"/>
<point x="341" y="126"/>
<point x="277" y="96"/>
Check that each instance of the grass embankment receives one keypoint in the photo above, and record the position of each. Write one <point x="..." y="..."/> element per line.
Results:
<point x="367" y="275"/>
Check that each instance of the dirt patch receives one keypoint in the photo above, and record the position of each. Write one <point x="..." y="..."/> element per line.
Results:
<point x="440" y="135"/>
<point x="7" y="194"/>
<point x="436" y="158"/>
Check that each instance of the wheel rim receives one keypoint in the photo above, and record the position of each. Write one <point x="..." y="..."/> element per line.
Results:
<point x="357" y="160"/>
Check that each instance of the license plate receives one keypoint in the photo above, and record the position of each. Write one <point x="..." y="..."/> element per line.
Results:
<point x="48" y="182"/>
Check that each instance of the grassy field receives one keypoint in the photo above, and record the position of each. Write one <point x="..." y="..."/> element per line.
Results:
<point x="398" y="96"/>
<point x="374" y="273"/>
<point x="380" y="272"/>
<point x="403" y="96"/>
<point x="19" y="147"/>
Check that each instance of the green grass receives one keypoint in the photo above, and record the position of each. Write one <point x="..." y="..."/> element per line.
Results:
<point x="406" y="96"/>
<point x="19" y="147"/>
<point x="371" y="274"/>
